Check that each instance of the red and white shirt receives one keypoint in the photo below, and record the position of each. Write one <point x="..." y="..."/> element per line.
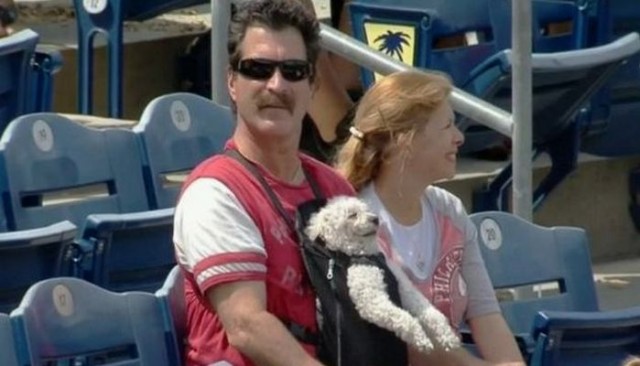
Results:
<point x="227" y="230"/>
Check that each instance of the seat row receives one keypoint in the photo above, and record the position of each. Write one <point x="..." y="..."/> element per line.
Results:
<point x="544" y="274"/>
<point x="98" y="204"/>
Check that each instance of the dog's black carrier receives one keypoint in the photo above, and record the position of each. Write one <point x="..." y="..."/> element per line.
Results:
<point x="345" y="338"/>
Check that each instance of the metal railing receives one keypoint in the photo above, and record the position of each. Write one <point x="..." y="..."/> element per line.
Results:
<point x="461" y="101"/>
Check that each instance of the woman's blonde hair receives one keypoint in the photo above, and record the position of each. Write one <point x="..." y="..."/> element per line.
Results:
<point x="389" y="115"/>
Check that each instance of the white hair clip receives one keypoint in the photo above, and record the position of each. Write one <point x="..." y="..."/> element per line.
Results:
<point x="356" y="133"/>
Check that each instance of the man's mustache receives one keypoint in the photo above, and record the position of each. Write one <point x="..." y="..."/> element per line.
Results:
<point x="276" y="100"/>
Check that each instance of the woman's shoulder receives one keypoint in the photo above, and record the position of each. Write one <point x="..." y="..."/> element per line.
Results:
<point x="447" y="204"/>
<point x="443" y="200"/>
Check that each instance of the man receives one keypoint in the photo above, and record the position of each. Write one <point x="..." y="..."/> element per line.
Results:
<point x="246" y="291"/>
<point x="8" y="16"/>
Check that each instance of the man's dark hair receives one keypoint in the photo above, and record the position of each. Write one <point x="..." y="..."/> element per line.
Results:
<point x="276" y="15"/>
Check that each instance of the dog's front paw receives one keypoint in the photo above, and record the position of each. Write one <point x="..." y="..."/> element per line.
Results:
<point x="436" y="325"/>
<point x="422" y="343"/>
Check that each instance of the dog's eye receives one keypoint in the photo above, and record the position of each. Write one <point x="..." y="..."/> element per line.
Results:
<point x="353" y="215"/>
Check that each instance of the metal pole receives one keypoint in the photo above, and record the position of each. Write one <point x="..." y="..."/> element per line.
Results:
<point x="463" y="102"/>
<point x="220" y="15"/>
<point x="522" y="109"/>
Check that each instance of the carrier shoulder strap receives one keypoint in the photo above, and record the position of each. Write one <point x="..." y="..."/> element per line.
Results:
<point x="299" y="332"/>
<point x="253" y="169"/>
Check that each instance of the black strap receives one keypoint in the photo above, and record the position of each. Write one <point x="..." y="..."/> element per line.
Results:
<point x="253" y="169"/>
<point x="300" y="332"/>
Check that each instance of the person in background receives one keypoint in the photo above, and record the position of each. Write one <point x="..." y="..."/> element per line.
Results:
<point x="8" y="16"/>
<point x="247" y="299"/>
<point x="403" y="140"/>
<point x="337" y="84"/>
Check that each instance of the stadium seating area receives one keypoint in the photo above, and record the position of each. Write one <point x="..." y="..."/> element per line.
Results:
<point x="72" y="205"/>
<point x="87" y="268"/>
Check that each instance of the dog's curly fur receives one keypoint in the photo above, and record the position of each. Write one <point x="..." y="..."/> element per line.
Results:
<point x="347" y="225"/>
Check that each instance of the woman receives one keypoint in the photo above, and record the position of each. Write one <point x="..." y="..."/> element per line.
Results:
<point x="402" y="141"/>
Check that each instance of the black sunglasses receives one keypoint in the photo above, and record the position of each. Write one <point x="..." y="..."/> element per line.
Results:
<point x="263" y="69"/>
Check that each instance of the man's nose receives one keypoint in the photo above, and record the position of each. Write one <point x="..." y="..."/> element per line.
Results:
<point x="276" y="81"/>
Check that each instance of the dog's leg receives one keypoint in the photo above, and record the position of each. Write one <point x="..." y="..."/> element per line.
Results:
<point x="434" y="323"/>
<point x="368" y="292"/>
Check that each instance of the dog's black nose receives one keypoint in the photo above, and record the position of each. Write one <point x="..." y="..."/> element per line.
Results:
<point x="375" y="220"/>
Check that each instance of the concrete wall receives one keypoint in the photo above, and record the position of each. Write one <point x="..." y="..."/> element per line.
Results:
<point x="149" y="71"/>
<point x="594" y="197"/>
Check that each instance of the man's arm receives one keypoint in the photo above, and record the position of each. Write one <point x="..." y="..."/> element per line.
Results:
<point x="251" y="329"/>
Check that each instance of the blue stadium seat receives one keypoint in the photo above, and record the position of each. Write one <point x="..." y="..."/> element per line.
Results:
<point x="563" y="83"/>
<point x="176" y="132"/>
<point x="614" y="129"/>
<point x="16" y="53"/>
<point x="52" y="168"/>
<point x="586" y="338"/>
<point x="455" y="37"/>
<point x="7" y="345"/>
<point x="172" y="299"/>
<point x="520" y="255"/>
<point x="29" y="256"/>
<point x="70" y="321"/>
<point x="47" y="61"/>
<point x="106" y="17"/>
<point x="136" y="249"/>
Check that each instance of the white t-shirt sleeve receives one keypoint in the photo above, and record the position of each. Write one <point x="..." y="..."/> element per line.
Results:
<point x="214" y="236"/>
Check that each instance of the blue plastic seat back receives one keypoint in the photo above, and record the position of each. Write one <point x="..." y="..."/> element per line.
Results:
<point x="136" y="249"/>
<point x="47" y="61"/>
<point x="172" y="299"/>
<point x="16" y="52"/>
<point x="557" y="25"/>
<point x="106" y="18"/>
<point x="70" y="320"/>
<point x="102" y="18"/>
<point x="586" y="338"/>
<point x="52" y="168"/>
<point x="176" y="132"/>
<point x="563" y="82"/>
<point x="140" y="10"/>
<point x="453" y="37"/>
<point x="29" y="256"/>
<point x="615" y="130"/>
<point x="7" y="345"/>
<point x="518" y="253"/>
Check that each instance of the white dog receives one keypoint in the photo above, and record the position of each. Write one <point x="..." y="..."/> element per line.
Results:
<point x="347" y="225"/>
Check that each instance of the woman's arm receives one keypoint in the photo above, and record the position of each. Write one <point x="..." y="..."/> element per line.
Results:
<point x="495" y="341"/>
